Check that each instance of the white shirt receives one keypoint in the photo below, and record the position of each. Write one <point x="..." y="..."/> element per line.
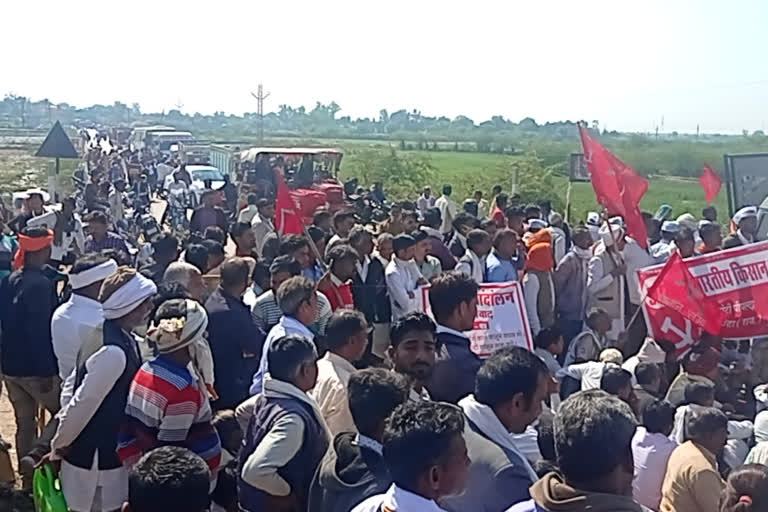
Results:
<point x="247" y="214"/>
<point x="79" y="484"/>
<point x="448" y="211"/>
<point x="635" y="258"/>
<point x="163" y="170"/>
<point x="398" y="500"/>
<point x="75" y="236"/>
<point x="531" y="288"/>
<point x="73" y="322"/>
<point x="362" y="268"/>
<point x="116" y="207"/>
<point x="286" y="325"/>
<point x="261" y="228"/>
<point x="330" y="392"/>
<point x="651" y="453"/>
<point x="588" y="373"/>
<point x="402" y="277"/>
<point x="476" y="270"/>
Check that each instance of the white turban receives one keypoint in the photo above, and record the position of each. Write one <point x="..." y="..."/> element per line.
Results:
<point x="687" y="220"/>
<point x="172" y="334"/>
<point x="609" y="234"/>
<point x="744" y="213"/>
<point x="537" y="224"/>
<point x="593" y="219"/>
<point x="92" y="275"/>
<point x="128" y="297"/>
<point x="651" y="352"/>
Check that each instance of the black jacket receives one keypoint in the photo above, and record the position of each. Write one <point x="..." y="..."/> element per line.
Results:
<point x="347" y="475"/>
<point x="456" y="366"/>
<point x="236" y="345"/>
<point x="370" y="296"/>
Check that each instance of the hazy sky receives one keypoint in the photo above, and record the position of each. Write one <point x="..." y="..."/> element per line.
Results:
<point x="624" y="63"/>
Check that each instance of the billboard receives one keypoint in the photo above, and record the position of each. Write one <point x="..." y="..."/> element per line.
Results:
<point x="577" y="168"/>
<point x="747" y="176"/>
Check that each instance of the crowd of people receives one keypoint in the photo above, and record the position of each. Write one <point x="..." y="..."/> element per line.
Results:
<point x="248" y="370"/>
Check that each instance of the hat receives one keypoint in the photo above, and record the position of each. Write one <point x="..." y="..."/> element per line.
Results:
<point x="687" y="220"/>
<point x="593" y="219"/>
<point x="617" y="221"/>
<point x="744" y="213"/>
<point x="611" y="355"/>
<point x="401" y="242"/>
<point x="37" y="191"/>
<point x="670" y="226"/>
<point x="610" y="233"/>
<point x="537" y="224"/>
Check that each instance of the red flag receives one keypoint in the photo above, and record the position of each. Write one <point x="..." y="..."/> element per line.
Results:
<point x="710" y="182"/>
<point x="617" y="187"/>
<point x="287" y="221"/>
<point x="676" y="288"/>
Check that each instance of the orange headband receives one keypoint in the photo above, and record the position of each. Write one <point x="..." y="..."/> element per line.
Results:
<point x="30" y="244"/>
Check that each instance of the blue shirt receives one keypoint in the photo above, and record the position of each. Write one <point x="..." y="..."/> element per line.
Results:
<point x="500" y="270"/>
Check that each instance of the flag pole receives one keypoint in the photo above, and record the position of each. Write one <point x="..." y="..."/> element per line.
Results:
<point x="318" y="257"/>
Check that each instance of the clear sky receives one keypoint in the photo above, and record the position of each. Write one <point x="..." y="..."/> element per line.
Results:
<point x="625" y="63"/>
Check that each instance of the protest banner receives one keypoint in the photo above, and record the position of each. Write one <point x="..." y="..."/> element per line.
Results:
<point x="736" y="281"/>
<point x="501" y="320"/>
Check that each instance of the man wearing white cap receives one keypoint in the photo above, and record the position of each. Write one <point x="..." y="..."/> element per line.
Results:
<point x="81" y="317"/>
<point x="662" y="250"/>
<point x="606" y="277"/>
<point x="92" y="476"/>
<point x="593" y="225"/>
<point x="746" y="222"/>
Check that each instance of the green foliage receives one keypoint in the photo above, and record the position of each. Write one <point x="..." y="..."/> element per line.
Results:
<point x="401" y="174"/>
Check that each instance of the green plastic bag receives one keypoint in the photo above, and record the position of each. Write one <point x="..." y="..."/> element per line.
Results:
<point x="47" y="491"/>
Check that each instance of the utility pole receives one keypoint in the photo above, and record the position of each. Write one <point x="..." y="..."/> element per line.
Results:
<point x="260" y="97"/>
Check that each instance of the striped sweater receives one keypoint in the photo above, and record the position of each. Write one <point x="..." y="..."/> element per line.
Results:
<point x="167" y="407"/>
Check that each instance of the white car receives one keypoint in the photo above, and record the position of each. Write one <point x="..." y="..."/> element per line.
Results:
<point x="204" y="177"/>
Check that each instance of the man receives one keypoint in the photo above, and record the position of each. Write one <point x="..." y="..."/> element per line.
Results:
<point x="648" y="377"/>
<point x="709" y="213"/>
<point x="606" y="281"/>
<point x="250" y="210"/>
<point x="412" y="352"/>
<point x="473" y="261"/>
<point x="511" y="386"/>
<point x="711" y="238"/>
<point x="570" y="282"/>
<point x="701" y="364"/>
<point x="588" y="344"/>
<point x="322" y="220"/>
<point x="245" y="241"/>
<point x="590" y="373"/>
<point x="286" y="438"/>
<point x="167" y="403"/>
<point x="692" y="480"/>
<point x="343" y="222"/>
<point x="369" y="290"/>
<point x="208" y="214"/>
<point x="651" y="448"/>
<point x="403" y="277"/>
<point x="393" y="224"/>
<point x="588" y="424"/>
<point x="557" y="229"/>
<point x="99" y="238"/>
<point x="448" y="209"/>
<point x="538" y="285"/>
<point x="426" y="201"/>
<point x="515" y="220"/>
<point x="236" y="343"/>
<point x="68" y="235"/>
<point x="426" y="456"/>
<point x="685" y="243"/>
<point x="483" y="205"/>
<point x="342" y="266"/>
<point x="497" y="213"/>
<point x="81" y="317"/>
<point x="168" y="478"/>
<point x="115" y="199"/>
<point x="617" y="381"/>
<point x="263" y="223"/>
<point x="507" y="258"/>
<point x="463" y="223"/>
<point x="746" y="222"/>
<point x="92" y="477"/>
<point x="663" y="249"/>
<point x="354" y="469"/>
<point x="410" y="221"/>
<point x="453" y="299"/>
<point x="429" y="266"/>
<point x="297" y="246"/>
<point x="346" y="337"/>
<point x="188" y="276"/>
<point x="28" y="299"/>
<point x="431" y="226"/>
<point x="297" y="299"/>
<point x="165" y="250"/>
<point x="34" y="206"/>
<point x="266" y="312"/>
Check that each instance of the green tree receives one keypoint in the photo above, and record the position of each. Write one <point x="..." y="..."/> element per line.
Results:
<point x="402" y="175"/>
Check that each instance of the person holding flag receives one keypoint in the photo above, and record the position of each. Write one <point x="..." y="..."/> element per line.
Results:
<point x="606" y="277"/>
<point x="745" y="221"/>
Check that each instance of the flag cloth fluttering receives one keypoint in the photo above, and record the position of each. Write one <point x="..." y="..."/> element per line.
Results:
<point x="287" y="219"/>
<point x="710" y="182"/>
<point x="676" y="288"/>
<point x="617" y="186"/>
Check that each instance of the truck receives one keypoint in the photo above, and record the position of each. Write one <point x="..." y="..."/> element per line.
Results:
<point x="140" y="134"/>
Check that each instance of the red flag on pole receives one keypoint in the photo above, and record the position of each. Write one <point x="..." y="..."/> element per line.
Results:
<point x="617" y="187"/>
<point x="287" y="220"/>
<point x="710" y="182"/>
<point x="676" y="288"/>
